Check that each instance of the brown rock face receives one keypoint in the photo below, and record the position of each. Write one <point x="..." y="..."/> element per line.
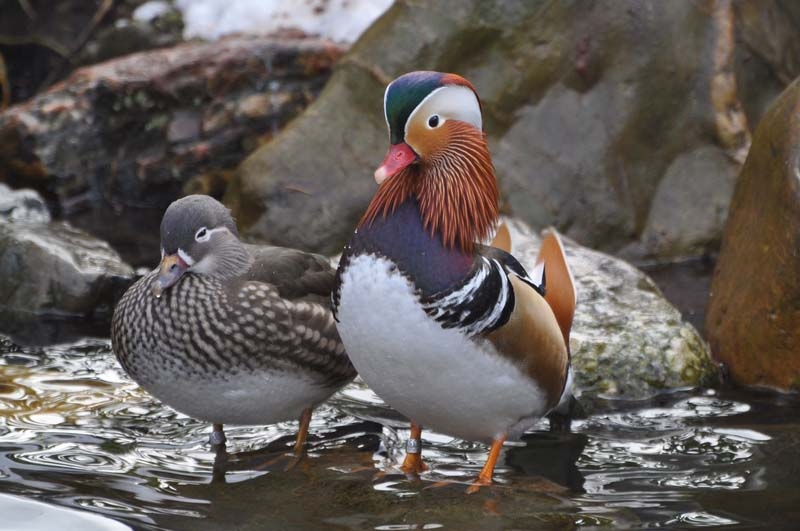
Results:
<point x="753" y="320"/>
<point x="136" y="133"/>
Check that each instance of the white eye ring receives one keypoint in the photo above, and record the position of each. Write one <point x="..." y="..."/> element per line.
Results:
<point x="434" y="121"/>
<point x="202" y="235"/>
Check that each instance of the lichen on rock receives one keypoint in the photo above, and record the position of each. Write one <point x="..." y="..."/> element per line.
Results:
<point x="627" y="340"/>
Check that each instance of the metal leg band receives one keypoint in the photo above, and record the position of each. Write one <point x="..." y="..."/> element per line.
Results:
<point x="413" y="446"/>
<point x="217" y="438"/>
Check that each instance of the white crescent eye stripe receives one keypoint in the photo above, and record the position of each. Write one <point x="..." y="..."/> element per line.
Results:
<point x="455" y="102"/>
<point x="207" y="233"/>
<point x="216" y="230"/>
<point x="417" y="108"/>
<point x="185" y="257"/>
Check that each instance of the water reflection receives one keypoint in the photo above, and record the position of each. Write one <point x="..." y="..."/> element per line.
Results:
<point x="76" y="432"/>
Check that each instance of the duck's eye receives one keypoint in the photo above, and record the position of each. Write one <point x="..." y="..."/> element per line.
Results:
<point x="433" y="121"/>
<point x="202" y="235"/>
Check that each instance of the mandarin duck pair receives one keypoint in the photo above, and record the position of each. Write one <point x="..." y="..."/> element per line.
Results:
<point x="453" y="333"/>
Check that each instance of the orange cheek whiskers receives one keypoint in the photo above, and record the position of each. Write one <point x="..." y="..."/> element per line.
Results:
<point x="455" y="186"/>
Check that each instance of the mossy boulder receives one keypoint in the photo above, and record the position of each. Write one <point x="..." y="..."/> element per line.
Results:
<point x="627" y="340"/>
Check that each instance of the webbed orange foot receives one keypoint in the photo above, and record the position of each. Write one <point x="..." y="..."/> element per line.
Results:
<point x="484" y="479"/>
<point x="479" y="482"/>
<point x="413" y="464"/>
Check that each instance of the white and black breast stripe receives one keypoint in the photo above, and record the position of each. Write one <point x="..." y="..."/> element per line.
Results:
<point x="485" y="300"/>
<point x="536" y="280"/>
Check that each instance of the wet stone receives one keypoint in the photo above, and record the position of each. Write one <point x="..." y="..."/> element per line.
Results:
<point x="22" y="206"/>
<point x="185" y="126"/>
<point x="255" y="106"/>
<point x="48" y="269"/>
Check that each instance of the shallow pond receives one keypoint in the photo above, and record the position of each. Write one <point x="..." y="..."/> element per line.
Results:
<point x="76" y="433"/>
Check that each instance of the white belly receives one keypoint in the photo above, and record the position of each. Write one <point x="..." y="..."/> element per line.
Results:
<point x="263" y="398"/>
<point x="436" y="377"/>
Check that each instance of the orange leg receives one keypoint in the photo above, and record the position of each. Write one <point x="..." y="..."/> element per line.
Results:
<point x="302" y="433"/>
<point x="300" y="443"/>
<point x="485" y="477"/>
<point x="413" y="463"/>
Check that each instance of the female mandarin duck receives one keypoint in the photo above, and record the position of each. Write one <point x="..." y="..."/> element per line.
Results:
<point x="453" y="334"/>
<point x="231" y="333"/>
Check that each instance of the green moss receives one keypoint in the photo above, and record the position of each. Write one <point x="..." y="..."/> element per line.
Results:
<point x="143" y="100"/>
<point x="157" y="122"/>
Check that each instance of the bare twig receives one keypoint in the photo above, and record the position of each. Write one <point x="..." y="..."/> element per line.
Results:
<point x="729" y="117"/>
<point x="28" y="8"/>
<point x="98" y="17"/>
<point x="39" y="40"/>
<point x="5" y="86"/>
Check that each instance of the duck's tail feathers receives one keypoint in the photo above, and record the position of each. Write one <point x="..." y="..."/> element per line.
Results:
<point x="502" y="238"/>
<point x="560" y="291"/>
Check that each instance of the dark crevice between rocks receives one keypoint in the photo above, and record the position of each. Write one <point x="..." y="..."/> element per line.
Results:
<point x="48" y="329"/>
<point x="686" y="285"/>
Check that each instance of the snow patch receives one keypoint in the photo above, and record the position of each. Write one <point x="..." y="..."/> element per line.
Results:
<point x="150" y="10"/>
<point x="338" y="20"/>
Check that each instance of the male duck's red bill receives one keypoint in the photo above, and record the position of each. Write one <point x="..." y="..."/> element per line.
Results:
<point x="398" y="158"/>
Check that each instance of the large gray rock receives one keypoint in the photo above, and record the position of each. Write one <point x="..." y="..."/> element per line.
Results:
<point x="589" y="108"/>
<point x="52" y="268"/>
<point x="627" y="340"/>
<point x="678" y="224"/>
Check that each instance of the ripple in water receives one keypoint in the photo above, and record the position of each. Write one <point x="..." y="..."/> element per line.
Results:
<point x="75" y="457"/>
<point x="74" y="429"/>
<point x="700" y="519"/>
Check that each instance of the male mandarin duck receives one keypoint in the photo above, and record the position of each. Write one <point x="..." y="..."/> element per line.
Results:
<point x="454" y="334"/>
<point x="231" y="333"/>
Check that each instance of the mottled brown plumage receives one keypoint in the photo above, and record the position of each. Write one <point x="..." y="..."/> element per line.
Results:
<point x="230" y="333"/>
<point x="209" y="328"/>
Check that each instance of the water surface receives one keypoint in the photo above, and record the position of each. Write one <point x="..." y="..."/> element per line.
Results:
<point x="75" y="432"/>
